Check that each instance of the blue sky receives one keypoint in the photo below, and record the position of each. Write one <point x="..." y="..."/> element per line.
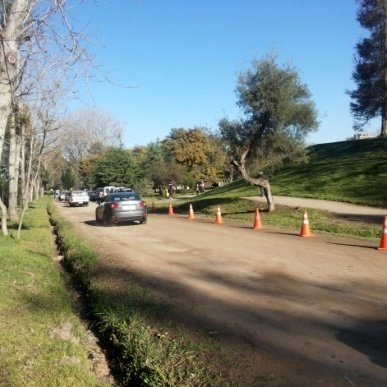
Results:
<point x="181" y="59"/>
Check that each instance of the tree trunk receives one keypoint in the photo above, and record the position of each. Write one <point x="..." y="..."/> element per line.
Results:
<point x="383" y="131"/>
<point x="9" y="44"/>
<point x="4" y="215"/>
<point x="26" y="198"/>
<point x="22" y="165"/>
<point x="5" y="110"/>
<point x="12" y="168"/>
<point x="259" y="182"/>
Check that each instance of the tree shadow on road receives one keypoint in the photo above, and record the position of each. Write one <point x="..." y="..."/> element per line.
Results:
<point x="368" y="337"/>
<point x="269" y="332"/>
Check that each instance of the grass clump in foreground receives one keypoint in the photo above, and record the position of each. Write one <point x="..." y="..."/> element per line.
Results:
<point x="144" y="348"/>
<point x="42" y="342"/>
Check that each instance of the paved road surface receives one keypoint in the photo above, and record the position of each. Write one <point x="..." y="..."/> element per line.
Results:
<point x="291" y="311"/>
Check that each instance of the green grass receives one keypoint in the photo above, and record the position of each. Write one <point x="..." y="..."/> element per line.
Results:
<point x="350" y="171"/>
<point x="242" y="210"/>
<point x="42" y="341"/>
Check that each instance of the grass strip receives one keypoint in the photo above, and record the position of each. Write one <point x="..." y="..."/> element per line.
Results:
<point x="232" y="207"/>
<point x="145" y="350"/>
<point x="42" y="341"/>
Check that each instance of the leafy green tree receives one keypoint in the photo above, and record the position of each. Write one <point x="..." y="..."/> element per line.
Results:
<point x="279" y="113"/>
<point x="369" y="100"/>
<point x="116" y="167"/>
<point x="87" y="168"/>
<point x="158" y="165"/>
<point x="68" y="178"/>
<point x="200" y="152"/>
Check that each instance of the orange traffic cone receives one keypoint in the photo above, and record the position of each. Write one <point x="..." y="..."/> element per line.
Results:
<point x="383" y="240"/>
<point x="218" y="219"/>
<point x="305" y="230"/>
<point x="257" y="220"/>
<point x="191" y="213"/>
<point x="170" y="209"/>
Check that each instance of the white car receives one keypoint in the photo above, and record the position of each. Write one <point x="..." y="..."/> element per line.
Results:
<point x="78" y="198"/>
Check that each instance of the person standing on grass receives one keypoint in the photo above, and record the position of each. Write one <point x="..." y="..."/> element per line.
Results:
<point x="171" y="188"/>
<point x="261" y="176"/>
<point x="200" y="187"/>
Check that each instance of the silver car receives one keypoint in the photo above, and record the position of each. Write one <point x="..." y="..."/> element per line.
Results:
<point x="120" y="207"/>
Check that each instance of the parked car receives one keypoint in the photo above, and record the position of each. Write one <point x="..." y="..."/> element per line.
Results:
<point x="62" y="196"/>
<point x="101" y="192"/>
<point x="93" y="196"/>
<point x="78" y="198"/>
<point x="108" y="189"/>
<point x="120" y="207"/>
<point x="123" y="189"/>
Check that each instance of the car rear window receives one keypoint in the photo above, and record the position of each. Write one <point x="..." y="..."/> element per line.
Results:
<point x="123" y="198"/>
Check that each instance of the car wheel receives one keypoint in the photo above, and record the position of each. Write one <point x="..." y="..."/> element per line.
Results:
<point x="143" y="220"/>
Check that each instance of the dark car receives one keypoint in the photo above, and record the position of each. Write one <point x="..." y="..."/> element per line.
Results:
<point x="120" y="207"/>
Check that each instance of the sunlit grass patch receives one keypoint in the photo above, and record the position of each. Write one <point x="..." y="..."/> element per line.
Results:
<point x="34" y="307"/>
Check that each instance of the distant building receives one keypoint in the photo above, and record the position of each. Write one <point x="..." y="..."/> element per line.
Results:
<point x="360" y="136"/>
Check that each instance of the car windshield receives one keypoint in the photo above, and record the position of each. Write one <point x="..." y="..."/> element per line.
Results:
<point x="122" y="197"/>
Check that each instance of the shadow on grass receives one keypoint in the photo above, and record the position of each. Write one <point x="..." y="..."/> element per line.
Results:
<point x="369" y="219"/>
<point x="15" y="226"/>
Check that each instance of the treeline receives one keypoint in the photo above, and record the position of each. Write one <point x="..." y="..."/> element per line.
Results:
<point x="185" y="155"/>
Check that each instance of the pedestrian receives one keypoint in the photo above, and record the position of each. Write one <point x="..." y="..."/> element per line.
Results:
<point x="171" y="188"/>
<point x="200" y="187"/>
<point x="262" y="189"/>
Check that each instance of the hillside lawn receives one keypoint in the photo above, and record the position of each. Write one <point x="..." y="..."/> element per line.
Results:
<point x="348" y="171"/>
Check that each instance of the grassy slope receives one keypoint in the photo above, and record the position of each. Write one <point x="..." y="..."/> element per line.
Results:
<point x="349" y="171"/>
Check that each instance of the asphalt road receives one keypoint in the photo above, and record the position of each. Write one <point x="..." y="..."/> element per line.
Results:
<point x="291" y="311"/>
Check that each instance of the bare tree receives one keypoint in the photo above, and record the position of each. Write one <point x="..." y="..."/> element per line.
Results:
<point x="31" y="50"/>
<point x="89" y="131"/>
<point x="42" y="125"/>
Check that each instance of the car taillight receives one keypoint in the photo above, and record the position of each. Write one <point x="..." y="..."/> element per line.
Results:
<point x="142" y="204"/>
<point x="114" y="205"/>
